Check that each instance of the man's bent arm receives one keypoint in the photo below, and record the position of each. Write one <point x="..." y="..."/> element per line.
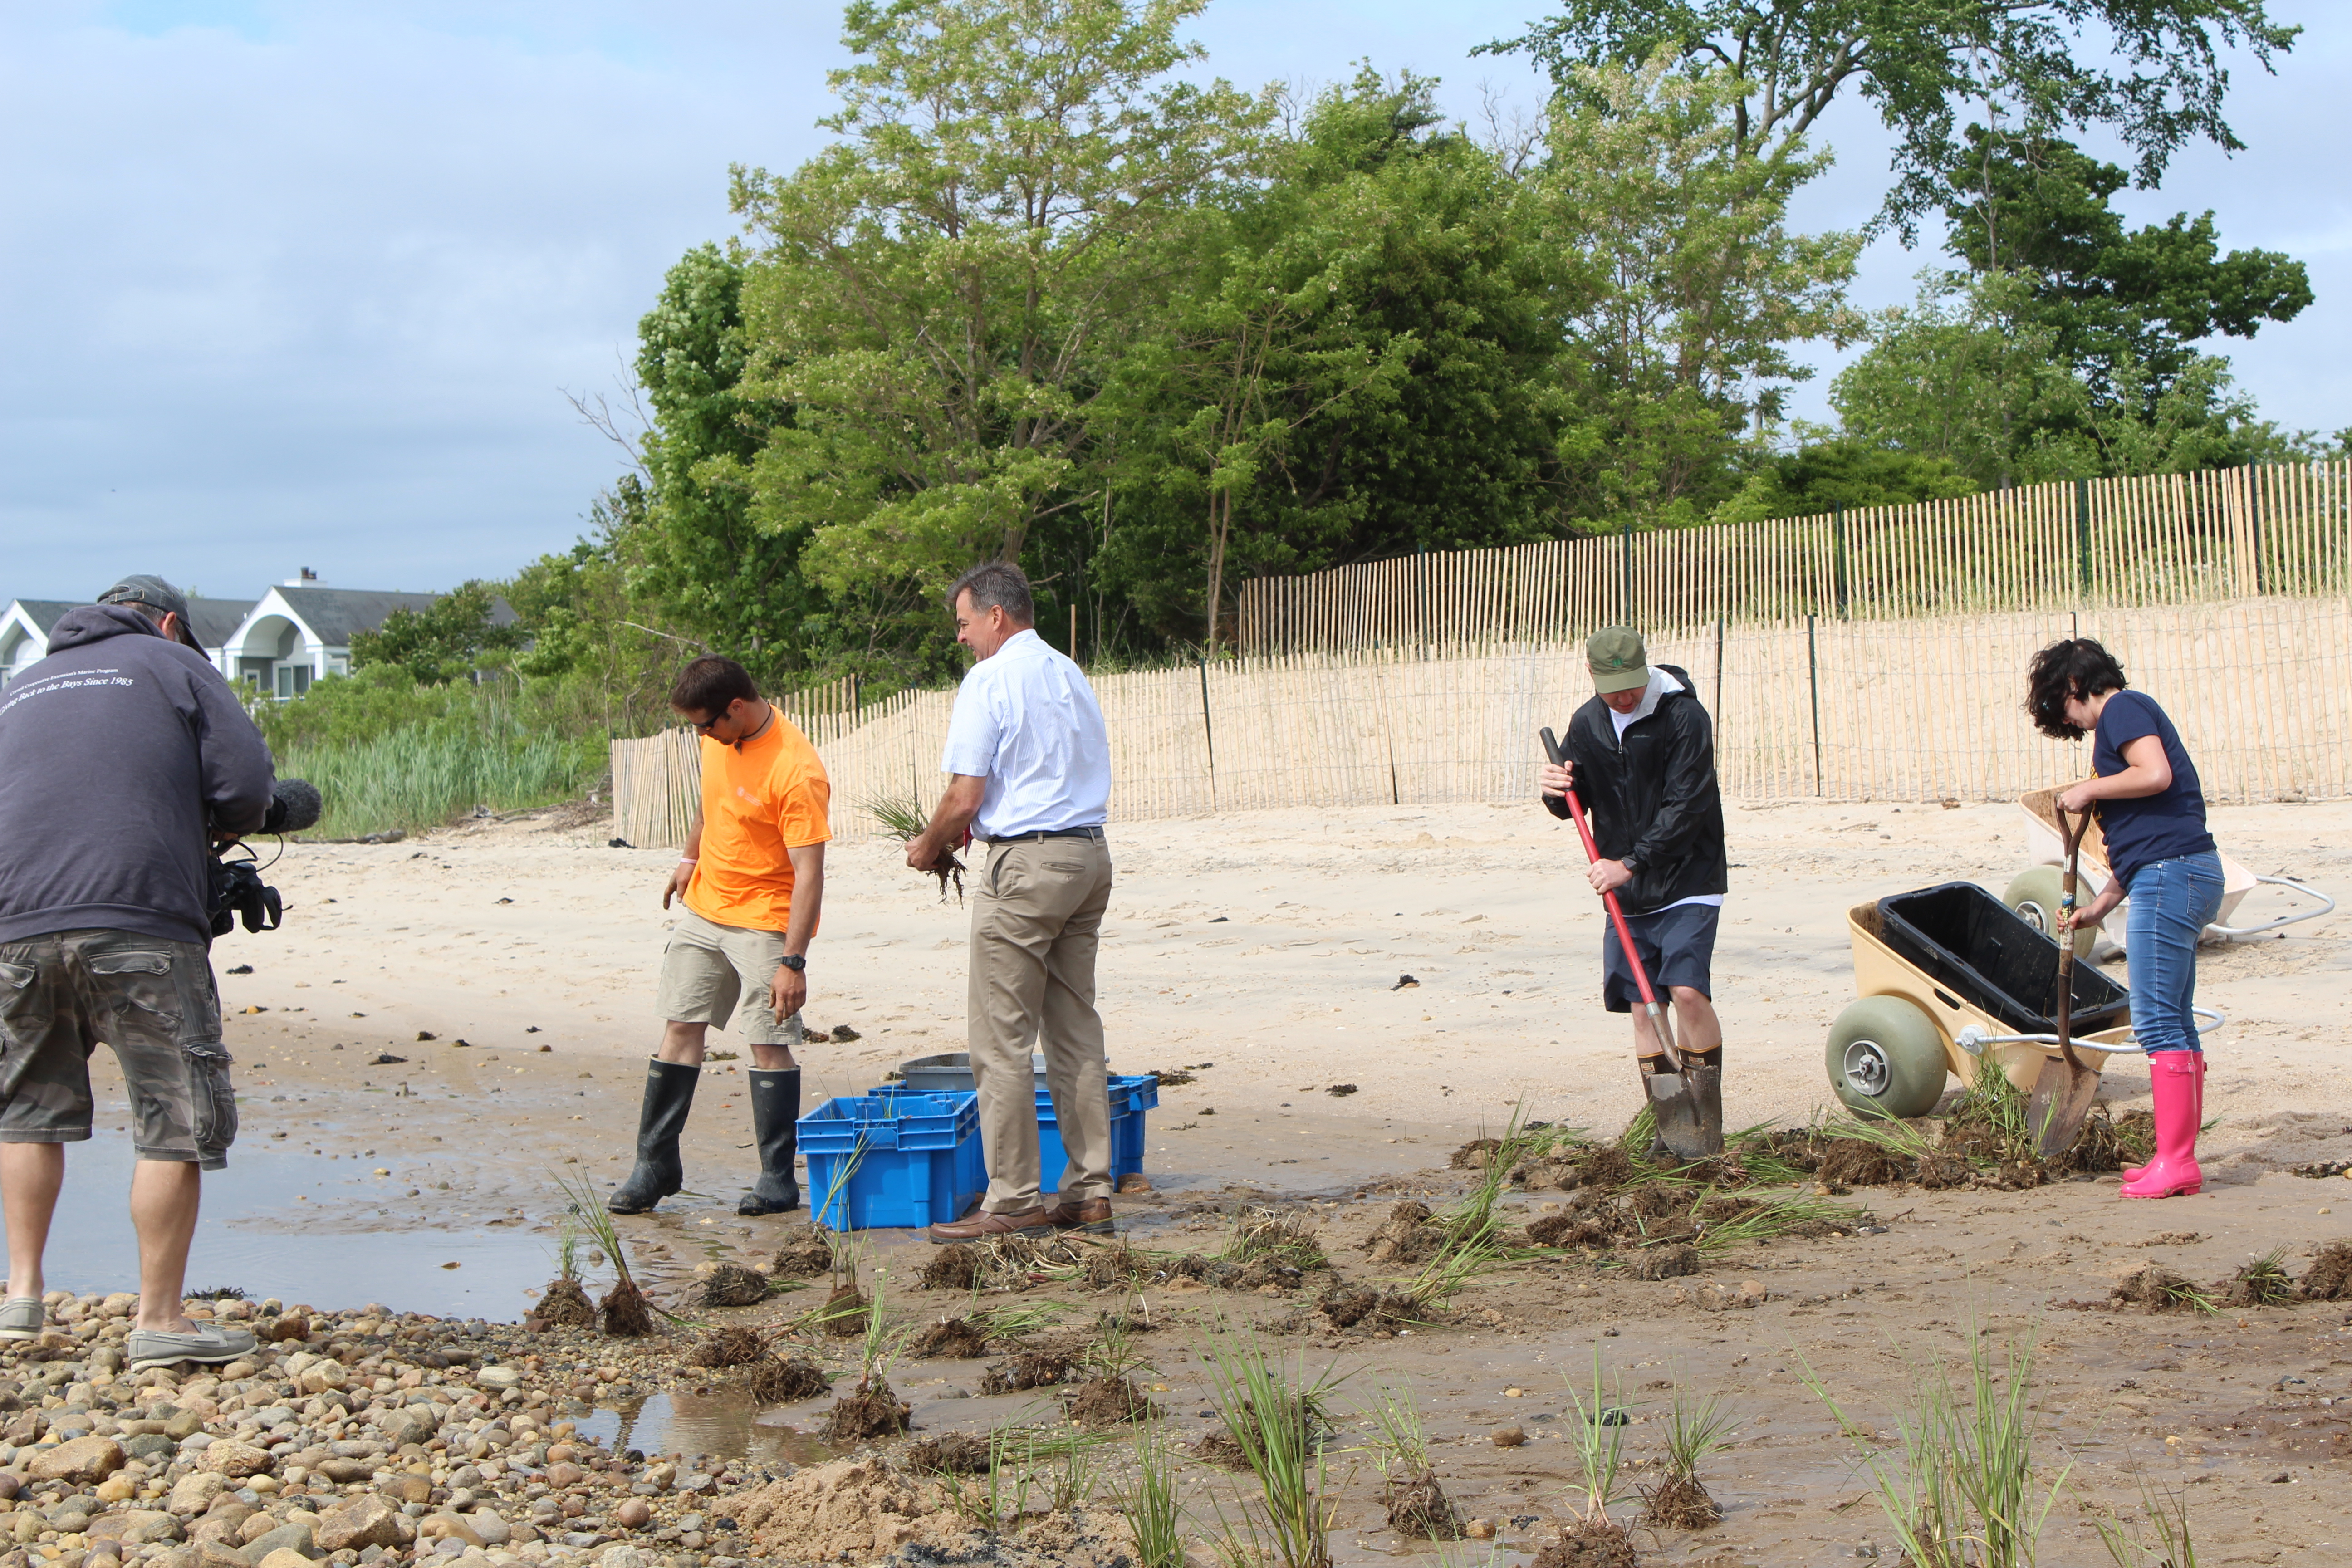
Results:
<point x="959" y="803"/>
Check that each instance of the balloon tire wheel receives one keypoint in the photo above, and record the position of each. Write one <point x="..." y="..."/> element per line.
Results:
<point x="2034" y="895"/>
<point x="1886" y="1058"/>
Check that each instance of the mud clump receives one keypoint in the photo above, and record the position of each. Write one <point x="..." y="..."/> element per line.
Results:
<point x="1669" y="1262"/>
<point x="736" y="1346"/>
<point x="1419" y="1509"/>
<point x="782" y="1380"/>
<point x="1859" y="1162"/>
<point x="1605" y="1167"/>
<point x="1410" y="1235"/>
<point x="2106" y="1144"/>
<point x="954" y="1454"/>
<point x="732" y="1284"/>
<point x="1028" y="1369"/>
<point x="803" y="1255"/>
<point x="1588" y="1225"/>
<point x="1939" y="1172"/>
<point x="1111" y="1402"/>
<point x="953" y="1267"/>
<point x="626" y="1313"/>
<point x="1588" y="1543"/>
<point x="1116" y="1267"/>
<point x="1354" y="1306"/>
<point x="872" y="1410"/>
<point x="950" y="1339"/>
<point x="843" y="1313"/>
<point x="2261" y="1283"/>
<point x="1680" y="1502"/>
<point x="2154" y="1288"/>
<point x="566" y="1306"/>
<point x="1475" y="1155"/>
<point x="1223" y="1449"/>
<point x="2329" y="1278"/>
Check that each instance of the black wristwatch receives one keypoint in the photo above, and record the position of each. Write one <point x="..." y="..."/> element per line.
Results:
<point x="794" y="962"/>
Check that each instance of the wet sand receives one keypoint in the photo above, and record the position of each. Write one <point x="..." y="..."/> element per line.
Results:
<point x="1269" y="945"/>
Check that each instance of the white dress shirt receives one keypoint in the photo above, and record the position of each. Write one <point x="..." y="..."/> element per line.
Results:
<point x="1026" y="721"/>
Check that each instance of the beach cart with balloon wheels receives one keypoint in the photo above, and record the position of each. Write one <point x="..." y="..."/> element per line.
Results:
<point x="2034" y="892"/>
<point x="1951" y="980"/>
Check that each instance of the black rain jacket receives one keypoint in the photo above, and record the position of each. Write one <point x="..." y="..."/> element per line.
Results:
<point x="1654" y="798"/>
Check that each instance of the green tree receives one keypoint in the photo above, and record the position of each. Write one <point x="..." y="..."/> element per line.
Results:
<point x="459" y="632"/>
<point x="1841" y="472"/>
<point x="687" y="536"/>
<point x="941" y="295"/>
<point x="1680" y="286"/>
<point x="2156" y="78"/>
<point x="2037" y="206"/>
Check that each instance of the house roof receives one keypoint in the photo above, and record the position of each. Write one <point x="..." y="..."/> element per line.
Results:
<point x="214" y="619"/>
<point x="333" y="615"/>
<point x="44" y="613"/>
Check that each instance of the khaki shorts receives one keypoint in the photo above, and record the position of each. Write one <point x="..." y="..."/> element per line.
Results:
<point x="153" y="1001"/>
<point x="708" y="967"/>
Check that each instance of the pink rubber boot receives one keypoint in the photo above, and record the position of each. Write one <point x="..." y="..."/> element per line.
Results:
<point x="2172" y="1080"/>
<point x="2134" y="1172"/>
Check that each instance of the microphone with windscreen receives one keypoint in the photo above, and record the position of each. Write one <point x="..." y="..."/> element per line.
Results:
<point x="294" y="805"/>
<point x="238" y="889"/>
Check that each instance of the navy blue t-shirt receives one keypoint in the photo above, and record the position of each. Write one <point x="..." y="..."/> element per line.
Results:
<point x="2160" y="826"/>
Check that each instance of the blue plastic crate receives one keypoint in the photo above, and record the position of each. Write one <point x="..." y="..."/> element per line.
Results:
<point x="917" y="1160"/>
<point x="1132" y="1096"/>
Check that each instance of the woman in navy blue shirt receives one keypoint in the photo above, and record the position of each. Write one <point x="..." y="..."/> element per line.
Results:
<point x="2152" y="814"/>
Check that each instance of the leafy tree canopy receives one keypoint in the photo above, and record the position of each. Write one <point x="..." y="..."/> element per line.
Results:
<point x="445" y="641"/>
<point x="1918" y="60"/>
<point x="1842" y="473"/>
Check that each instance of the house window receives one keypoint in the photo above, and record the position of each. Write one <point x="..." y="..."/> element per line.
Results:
<point x="293" y="679"/>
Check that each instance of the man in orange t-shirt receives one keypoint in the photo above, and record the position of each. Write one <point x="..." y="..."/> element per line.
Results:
<point x="751" y="880"/>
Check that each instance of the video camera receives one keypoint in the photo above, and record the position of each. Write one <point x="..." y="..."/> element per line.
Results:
<point x="237" y="888"/>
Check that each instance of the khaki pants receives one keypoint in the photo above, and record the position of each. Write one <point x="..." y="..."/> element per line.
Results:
<point x="1036" y="920"/>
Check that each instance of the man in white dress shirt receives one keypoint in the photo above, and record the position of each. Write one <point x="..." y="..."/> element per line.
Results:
<point x="1029" y="776"/>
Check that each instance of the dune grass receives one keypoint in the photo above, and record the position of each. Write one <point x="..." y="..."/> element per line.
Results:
<point x="419" y="778"/>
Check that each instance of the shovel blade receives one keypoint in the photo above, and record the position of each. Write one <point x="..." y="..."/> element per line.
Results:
<point x="1688" y="1106"/>
<point x="2062" y="1098"/>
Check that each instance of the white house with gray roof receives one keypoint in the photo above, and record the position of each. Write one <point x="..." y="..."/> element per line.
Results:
<point x="26" y="625"/>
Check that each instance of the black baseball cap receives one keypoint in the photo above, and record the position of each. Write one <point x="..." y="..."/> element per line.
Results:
<point x="157" y="595"/>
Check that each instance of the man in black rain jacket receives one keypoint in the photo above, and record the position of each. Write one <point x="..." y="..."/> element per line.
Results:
<point x="1640" y="757"/>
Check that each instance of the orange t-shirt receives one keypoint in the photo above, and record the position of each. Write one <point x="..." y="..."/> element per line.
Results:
<point x="768" y="795"/>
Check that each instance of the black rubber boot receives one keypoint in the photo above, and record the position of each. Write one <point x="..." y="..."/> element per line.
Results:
<point x="775" y="1129"/>
<point x="670" y="1095"/>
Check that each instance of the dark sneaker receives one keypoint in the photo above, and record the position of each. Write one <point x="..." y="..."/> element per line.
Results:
<point x="205" y="1343"/>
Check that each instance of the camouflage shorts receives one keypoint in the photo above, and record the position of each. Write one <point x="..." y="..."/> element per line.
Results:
<point x="155" y="1001"/>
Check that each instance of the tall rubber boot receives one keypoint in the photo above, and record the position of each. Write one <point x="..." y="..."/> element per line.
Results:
<point x="2172" y="1080"/>
<point x="670" y="1095"/>
<point x="2134" y="1172"/>
<point x="775" y="1129"/>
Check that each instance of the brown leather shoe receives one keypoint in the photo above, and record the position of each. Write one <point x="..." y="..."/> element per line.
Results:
<point x="1091" y="1215"/>
<point x="981" y="1225"/>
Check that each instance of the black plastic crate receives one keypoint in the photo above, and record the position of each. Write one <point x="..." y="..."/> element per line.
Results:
<point x="1974" y="945"/>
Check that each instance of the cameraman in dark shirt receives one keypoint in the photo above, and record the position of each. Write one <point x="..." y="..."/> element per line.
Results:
<point x="122" y="755"/>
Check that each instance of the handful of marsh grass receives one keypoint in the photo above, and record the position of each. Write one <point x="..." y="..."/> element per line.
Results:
<point x="903" y="820"/>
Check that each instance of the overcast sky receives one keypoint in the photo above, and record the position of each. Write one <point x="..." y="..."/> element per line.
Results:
<point x="301" y="284"/>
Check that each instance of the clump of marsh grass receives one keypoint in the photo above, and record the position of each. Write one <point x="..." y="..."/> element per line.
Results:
<point x="1961" y="1488"/>
<point x="904" y="820"/>
<point x="1280" y="1240"/>
<point x="871" y="1409"/>
<point x="1696" y="1430"/>
<point x="1274" y="1415"/>
<point x="2265" y="1282"/>
<point x="625" y="1311"/>
<point x="1150" y="1503"/>
<point x="1418" y="1508"/>
<point x="2160" y="1539"/>
<point x="565" y="1304"/>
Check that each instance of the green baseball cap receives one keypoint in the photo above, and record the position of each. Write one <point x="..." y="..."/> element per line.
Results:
<point x="1617" y="659"/>
<point x="157" y="595"/>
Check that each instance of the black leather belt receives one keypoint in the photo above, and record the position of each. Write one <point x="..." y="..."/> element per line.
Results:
<point x="1096" y="834"/>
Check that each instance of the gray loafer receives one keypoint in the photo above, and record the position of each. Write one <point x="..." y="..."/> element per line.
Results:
<point x="21" y="1318"/>
<point x="209" y="1343"/>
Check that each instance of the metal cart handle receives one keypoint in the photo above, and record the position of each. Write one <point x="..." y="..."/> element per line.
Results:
<point x="1976" y="1041"/>
<point x="2328" y="907"/>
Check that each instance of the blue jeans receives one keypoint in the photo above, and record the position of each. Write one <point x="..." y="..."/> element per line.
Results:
<point x="2172" y="902"/>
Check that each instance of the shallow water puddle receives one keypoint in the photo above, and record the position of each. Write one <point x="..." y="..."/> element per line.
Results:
<point x="723" y="1425"/>
<point x="257" y="1235"/>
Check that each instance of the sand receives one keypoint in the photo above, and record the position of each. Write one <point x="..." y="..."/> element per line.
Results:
<point x="1270" y="945"/>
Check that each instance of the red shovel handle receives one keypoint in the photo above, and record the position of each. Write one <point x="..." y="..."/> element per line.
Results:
<point x="1616" y="911"/>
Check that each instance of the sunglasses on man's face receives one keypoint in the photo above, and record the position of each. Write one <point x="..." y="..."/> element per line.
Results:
<point x="705" y="725"/>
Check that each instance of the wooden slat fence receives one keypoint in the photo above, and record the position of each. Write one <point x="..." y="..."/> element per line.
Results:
<point x="2162" y="540"/>
<point x="1805" y="706"/>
